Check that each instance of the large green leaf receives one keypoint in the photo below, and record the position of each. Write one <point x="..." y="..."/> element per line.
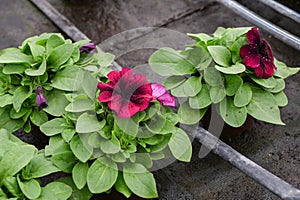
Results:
<point x="65" y="161"/>
<point x="189" y="115"/>
<point x="174" y="81"/>
<point x="121" y="186"/>
<point x="232" y="83"/>
<point x="20" y="95"/>
<point x="38" y="117"/>
<point x="55" y="190"/>
<point x="201" y="100"/>
<point x="233" y="69"/>
<point x="165" y="62"/>
<point x="232" y="115"/>
<point x="13" y="69"/>
<point x="263" y="106"/>
<point x="220" y="54"/>
<point x="80" y="105"/>
<point x="139" y="180"/>
<point x="180" y="146"/>
<point x="6" y="100"/>
<point x="60" y="55"/>
<point x="281" y="99"/>
<point x="56" y="102"/>
<point x="53" y="42"/>
<point x="111" y="146"/>
<point x="213" y="77"/>
<point x="79" y="174"/>
<point x="102" y="175"/>
<point x="283" y="71"/>
<point x="217" y="94"/>
<point x="69" y="79"/>
<point x="265" y="82"/>
<point x="198" y="56"/>
<point x="88" y="123"/>
<point x="82" y="151"/>
<point x="54" y="126"/>
<point x="31" y="188"/>
<point x="14" y="55"/>
<point x="37" y="72"/>
<point x="243" y="95"/>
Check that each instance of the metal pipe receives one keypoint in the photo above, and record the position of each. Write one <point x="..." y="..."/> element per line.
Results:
<point x="282" y="9"/>
<point x="250" y="168"/>
<point x="278" y="32"/>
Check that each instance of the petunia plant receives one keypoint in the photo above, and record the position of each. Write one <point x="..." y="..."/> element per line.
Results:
<point x="21" y="168"/>
<point x="233" y="68"/>
<point x="35" y="78"/>
<point x="114" y="132"/>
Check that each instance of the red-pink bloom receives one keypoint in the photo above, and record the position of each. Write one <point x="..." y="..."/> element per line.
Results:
<point x="258" y="55"/>
<point x="126" y="93"/>
<point x="162" y="95"/>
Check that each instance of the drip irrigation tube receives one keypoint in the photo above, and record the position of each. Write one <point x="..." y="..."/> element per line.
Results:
<point x="278" y="32"/>
<point x="253" y="170"/>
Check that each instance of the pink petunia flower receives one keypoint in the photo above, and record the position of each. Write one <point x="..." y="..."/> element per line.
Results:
<point x="126" y="93"/>
<point x="40" y="99"/>
<point x="257" y="54"/>
<point x="162" y="95"/>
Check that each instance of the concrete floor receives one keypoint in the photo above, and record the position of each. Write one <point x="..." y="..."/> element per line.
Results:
<point x="276" y="148"/>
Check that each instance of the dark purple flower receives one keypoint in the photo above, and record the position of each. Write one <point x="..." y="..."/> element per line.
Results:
<point x="126" y="93"/>
<point x="40" y="99"/>
<point x="88" y="48"/>
<point x="160" y="93"/>
<point x="257" y="54"/>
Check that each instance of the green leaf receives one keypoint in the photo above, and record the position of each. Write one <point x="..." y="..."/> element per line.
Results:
<point x="243" y="95"/>
<point x="129" y="126"/>
<point x="37" y="72"/>
<point x="111" y="146"/>
<point x="220" y="54"/>
<point x="56" y="103"/>
<point x="102" y="175"/>
<point x="6" y="100"/>
<point x="140" y="181"/>
<point x="173" y="82"/>
<point x="65" y="161"/>
<point x="192" y="86"/>
<point x="263" y="106"/>
<point x="121" y="186"/>
<point x="231" y="114"/>
<point x="88" y="123"/>
<point x="104" y="59"/>
<point x="40" y="166"/>
<point x="279" y="87"/>
<point x="198" y="56"/>
<point x="189" y="115"/>
<point x="11" y="185"/>
<point x="13" y="69"/>
<point x="17" y="157"/>
<point x="68" y="133"/>
<point x="16" y="115"/>
<point x="36" y="49"/>
<point x="54" y="126"/>
<point x="69" y="79"/>
<point x="82" y="151"/>
<point x="56" y="145"/>
<point x="265" y="82"/>
<point x="283" y="71"/>
<point x="38" y="117"/>
<point x="14" y="55"/>
<point x="20" y="95"/>
<point x="164" y="60"/>
<point x="232" y="83"/>
<point x="53" y="42"/>
<point x="60" y="55"/>
<point x="79" y="174"/>
<point x="180" y="146"/>
<point x="55" y="190"/>
<point x="6" y="122"/>
<point x="200" y="36"/>
<point x="89" y="85"/>
<point x="201" y="100"/>
<point x="281" y="99"/>
<point x="235" y="49"/>
<point x="213" y="77"/>
<point x="80" y="105"/>
<point x="31" y="189"/>
<point x="233" y="69"/>
<point x="217" y="94"/>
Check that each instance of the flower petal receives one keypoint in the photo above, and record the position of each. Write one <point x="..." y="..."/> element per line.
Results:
<point x="252" y="61"/>
<point x="259" y="72"/>
<point x="114" y="76"/>
<point x="267" y="49"/>
<point x="269" y="68"/>
<point x="158" y="90"/>
<point x="105" y="86"/>
<point x="105" y="96"/>
<point x="167" y="100"/>
<point x="253" y="36"/>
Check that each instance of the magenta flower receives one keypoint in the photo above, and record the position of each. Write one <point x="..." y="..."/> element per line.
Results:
<point x="88" y="48"/>
<point x="160" y="93"/>
<point x="40" y="99"/>
<point x="126" y="93"/>
<point x="257" y="54"/>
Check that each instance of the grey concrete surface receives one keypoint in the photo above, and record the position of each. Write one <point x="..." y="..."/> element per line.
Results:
<point x="276" y="148"/>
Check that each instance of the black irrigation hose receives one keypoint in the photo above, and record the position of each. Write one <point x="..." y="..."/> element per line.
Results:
<point x="253" y="170"/>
